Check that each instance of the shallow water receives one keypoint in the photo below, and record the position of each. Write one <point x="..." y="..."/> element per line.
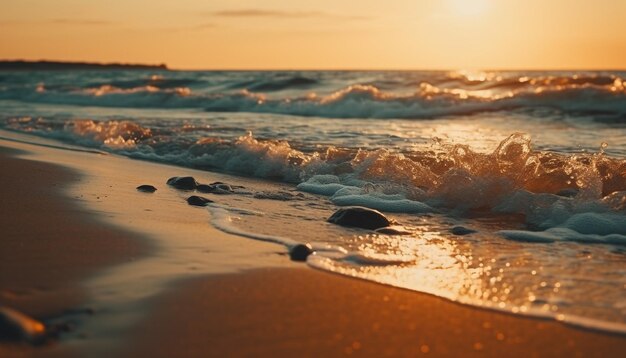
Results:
<point x="533" y="162"/>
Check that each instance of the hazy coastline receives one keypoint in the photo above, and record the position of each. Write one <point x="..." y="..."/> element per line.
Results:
<point x="48" y="65"/>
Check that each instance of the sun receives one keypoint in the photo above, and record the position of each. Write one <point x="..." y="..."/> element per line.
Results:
<point x="470" y="8"/>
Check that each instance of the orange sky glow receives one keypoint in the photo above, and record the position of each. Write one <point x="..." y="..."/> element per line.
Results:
<point x="321" y="34"/>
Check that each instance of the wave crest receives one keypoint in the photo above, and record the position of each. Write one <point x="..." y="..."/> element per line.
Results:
<point x="113" y="134"/>
<point x="600" y="95"/>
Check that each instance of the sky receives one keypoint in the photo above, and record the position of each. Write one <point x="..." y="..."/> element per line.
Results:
<point x="320" y="34"/>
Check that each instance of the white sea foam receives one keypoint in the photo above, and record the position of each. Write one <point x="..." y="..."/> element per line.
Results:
<point x="222" y="218"/>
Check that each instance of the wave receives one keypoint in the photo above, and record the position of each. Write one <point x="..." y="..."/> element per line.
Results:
<point x="550" y="190"/>
<point x="601" y="96"/>
<point x="448" y="170"/>
<point x="272" y="85"/>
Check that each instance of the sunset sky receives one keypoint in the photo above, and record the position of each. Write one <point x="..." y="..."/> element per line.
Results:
<point x="321" y="34"/>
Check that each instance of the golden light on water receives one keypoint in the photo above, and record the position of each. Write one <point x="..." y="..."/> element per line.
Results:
<point x="433" y="263"/>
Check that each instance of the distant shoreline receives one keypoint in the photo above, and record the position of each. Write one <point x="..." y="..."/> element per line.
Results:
<point x="21" y="65"/>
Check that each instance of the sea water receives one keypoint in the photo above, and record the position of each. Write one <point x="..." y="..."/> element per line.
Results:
<point x="534" y="163"/>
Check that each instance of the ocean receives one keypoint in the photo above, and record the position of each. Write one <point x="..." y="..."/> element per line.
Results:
<point x="510" y="186"/>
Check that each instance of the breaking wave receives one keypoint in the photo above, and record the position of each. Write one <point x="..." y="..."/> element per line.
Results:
<point x="411" y="96"/>
<point x="581" y="196"/>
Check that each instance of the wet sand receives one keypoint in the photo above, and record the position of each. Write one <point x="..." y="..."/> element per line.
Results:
<point x="49" y="243"/>
<point x="257" y="312"/>
<point x="304" y="312"/>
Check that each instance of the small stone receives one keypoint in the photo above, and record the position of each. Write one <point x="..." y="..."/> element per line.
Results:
<point x="146" y="188"/>
<point x="300" y="252"/>
<point x="17" y="327"/>
<point x="203" y="188"/>
<point x="460" y="230"/>
<point x="198" y="200"/>
<point x="361" y="217"/>
<point x="219" y="188"/>
<point x="184" y="183"/>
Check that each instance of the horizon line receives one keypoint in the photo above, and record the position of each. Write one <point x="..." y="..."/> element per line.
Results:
<point x="311" y="69"/>
<point x="367" y="69"/>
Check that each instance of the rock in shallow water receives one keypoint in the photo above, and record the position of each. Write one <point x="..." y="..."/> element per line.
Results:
<point x="17" y="327"/>
<point x="460" y="230"/>
<point x="219" y="188"/>
<point x="146" y="188"/>
<point x="198" y="200"/>
<point x="300" y="252"/>
<point x="357" y="216"/>
<point x="185" y="183"/>
<point x="203" y="188"/>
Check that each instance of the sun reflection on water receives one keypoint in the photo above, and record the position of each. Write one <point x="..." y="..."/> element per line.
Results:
<point x="433" y="263"/>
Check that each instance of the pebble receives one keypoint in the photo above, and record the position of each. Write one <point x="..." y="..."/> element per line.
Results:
<point x="361" y="217"/>
<point x="147" y="188"/>
<point x="219" y="188"/>
<point x="461" y="230"/>
<point x="300" y="252"/>
<point x="198" y="200"/>
<point x="185" y="183"/>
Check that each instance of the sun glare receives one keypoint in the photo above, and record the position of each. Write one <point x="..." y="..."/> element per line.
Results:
<point x="469" y="7"/>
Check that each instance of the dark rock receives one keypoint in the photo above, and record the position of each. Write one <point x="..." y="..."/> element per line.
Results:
<point x="146" y="188"/>
<point x="300" y="252"/>
<point x="219" y="188"/>
<point x="568" y="193"/>
<point x="393" y="230"/>
<point x="460" y="230"/>
<point x="185" y="183"/>
<point x="203" y="188"/>
<point x="17" y="327"/>
<point x="357" y="216"/>
<point x="198" y="201"/>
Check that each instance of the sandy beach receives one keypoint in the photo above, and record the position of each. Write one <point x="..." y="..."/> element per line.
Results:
<point x="303" y="312"/>
<point x="240" y="297"/>
<point x="49" y="244"/>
